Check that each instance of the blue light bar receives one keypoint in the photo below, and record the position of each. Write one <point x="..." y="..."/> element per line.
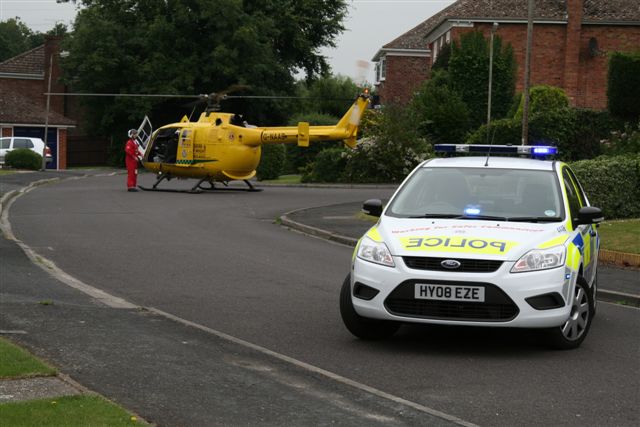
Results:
<point x="530" y="150"/>
<point x="545" y="151"/>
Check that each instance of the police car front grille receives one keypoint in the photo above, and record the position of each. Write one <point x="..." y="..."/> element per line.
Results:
<point x="466" y="265"/>
<point x="497" y="307"/>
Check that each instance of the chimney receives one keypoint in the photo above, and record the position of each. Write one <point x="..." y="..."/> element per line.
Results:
<point x="572" y="49"/>
<point x="52" y="53"/>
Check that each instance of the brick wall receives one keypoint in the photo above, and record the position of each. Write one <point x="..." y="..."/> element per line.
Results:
<point x="561" y="57"/>
<point x="404" y="75"/>
<point x="6" y="132"/>
<point x="593" y="70"/>
<point x="32" y="89"/>
<point x="548" y="51"/>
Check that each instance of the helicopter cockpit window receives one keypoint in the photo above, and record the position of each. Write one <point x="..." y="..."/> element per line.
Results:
<point x="165" y="146"/>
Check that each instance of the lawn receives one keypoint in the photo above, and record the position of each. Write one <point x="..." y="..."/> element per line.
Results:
<point x="66" y="411"/>
<point x="61" y="411"/>
<point x="621" y="236"/>
<point x="7" y="171"/>
<point x="17" y="363"/>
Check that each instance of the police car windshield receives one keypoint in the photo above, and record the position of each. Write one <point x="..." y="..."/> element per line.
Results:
<point x="481" y="194"/>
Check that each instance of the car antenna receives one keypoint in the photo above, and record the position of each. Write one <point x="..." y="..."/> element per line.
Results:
<point x="486" y="163"/>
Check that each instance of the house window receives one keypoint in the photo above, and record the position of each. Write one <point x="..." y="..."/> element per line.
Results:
<point x="448" y="37"/>
<point x="381" y="69"/>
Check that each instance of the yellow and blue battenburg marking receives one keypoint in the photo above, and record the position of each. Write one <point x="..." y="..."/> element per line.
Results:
<point x="556" y="241"/>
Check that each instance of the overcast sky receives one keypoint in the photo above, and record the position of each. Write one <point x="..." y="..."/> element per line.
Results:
<point x="370" y="25"/>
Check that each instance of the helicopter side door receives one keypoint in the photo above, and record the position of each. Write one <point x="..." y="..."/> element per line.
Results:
<point x="184" y="155"/>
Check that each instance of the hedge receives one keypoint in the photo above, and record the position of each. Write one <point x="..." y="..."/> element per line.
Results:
<point x="271" y="162"/>
<point x="612" y="184"/>
<point x="23" y="158"/>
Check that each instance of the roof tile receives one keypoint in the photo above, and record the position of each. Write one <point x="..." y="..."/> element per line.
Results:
<point x="622" y="11"/>
<point x="16" y="108"/>
<point x="29" y="62"/>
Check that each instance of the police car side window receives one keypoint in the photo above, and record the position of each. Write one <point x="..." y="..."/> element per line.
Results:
<point x="572" y="196"/>
<point x="579" y="190"/>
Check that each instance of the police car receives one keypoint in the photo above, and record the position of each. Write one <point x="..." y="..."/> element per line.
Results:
<point x="479" y="241"/>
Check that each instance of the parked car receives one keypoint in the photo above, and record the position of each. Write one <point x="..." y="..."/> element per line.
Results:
<point x="479" y="241"/>
<point x="34" y="144"/>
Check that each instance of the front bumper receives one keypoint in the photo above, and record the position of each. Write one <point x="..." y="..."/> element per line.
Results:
<point x="505" y="303"/>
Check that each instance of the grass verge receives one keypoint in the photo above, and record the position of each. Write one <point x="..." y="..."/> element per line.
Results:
<point x="69" y="411"/>
<point x="7" y="171"/>
<point x="621" y="236"/>
<point x="61" y="411"/>
<point x="17" y="363"/>
<point x="285" y="179"/>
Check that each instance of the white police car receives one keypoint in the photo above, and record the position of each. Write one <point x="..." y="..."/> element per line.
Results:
<point x="482" y="241"/>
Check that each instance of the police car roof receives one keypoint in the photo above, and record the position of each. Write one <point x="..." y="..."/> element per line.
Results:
<point x="494" y="163"/>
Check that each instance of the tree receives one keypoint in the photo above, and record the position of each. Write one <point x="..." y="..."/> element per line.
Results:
<point x="331" y="95"/>
<point x="623" y="90"/>
<point x="195" y="46"/>
<point x="469" y="71"/>
<point x="16" y="37"/>
<point x="442" y="113"/>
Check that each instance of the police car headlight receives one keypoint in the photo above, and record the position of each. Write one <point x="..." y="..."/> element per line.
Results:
<point x="376" y="252"/>
<point x="540" y="259"/>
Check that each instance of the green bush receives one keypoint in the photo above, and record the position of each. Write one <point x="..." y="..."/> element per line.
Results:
<point x="499" y="132"/>
<point x="391" y="149"/>
<point x="551" y="119"/>
<point x="327" y="167"/>
<point x="23" y="158"/>
<point x="591" y="129"/>
<point x="623" y="90"/>
<point x="626" y="141"/>
<point x="612" y="184"/>
<point x="271" y="162"/>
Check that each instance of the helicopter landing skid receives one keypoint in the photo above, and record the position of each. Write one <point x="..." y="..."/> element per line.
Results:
<point x="212" y="187"/>
<point x="194" y="190"/>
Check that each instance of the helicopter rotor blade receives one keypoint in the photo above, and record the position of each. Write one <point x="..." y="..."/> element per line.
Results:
<point x="141" y="95"/>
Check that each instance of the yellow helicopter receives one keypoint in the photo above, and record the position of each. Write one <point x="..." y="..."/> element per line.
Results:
<point x="221" y="147"/>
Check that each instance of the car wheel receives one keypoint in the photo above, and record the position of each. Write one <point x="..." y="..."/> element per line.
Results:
<point x="362" y="327"/>
<point x="575" y="329"/>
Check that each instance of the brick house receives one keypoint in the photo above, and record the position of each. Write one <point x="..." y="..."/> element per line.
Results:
<point x="571" y="40"/>
<point x="23" y="84"/>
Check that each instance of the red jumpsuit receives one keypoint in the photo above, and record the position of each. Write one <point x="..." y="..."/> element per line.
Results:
<point x="131" y="161"/>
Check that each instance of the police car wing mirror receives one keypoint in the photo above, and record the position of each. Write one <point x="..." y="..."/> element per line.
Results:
<point x="372" y="207"/>
<point x="589" y="215"/>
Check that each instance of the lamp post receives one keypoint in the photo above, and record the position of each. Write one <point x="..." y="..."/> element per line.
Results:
<point x="494" y="28"/>
<point x="62" y="54"/>
<point x="527" y="74"/>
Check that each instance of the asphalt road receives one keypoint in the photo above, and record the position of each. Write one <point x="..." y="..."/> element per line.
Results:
<point x="221" y="261"/>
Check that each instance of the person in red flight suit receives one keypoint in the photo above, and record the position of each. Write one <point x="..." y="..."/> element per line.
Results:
<point x="131" y="160"/>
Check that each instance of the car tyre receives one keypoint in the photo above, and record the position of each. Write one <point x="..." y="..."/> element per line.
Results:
<point x="571" y="334"/>
<point x="362" y="327"/>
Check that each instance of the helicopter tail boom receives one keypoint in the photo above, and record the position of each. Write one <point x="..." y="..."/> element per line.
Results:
<point x="346" y="129"/>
